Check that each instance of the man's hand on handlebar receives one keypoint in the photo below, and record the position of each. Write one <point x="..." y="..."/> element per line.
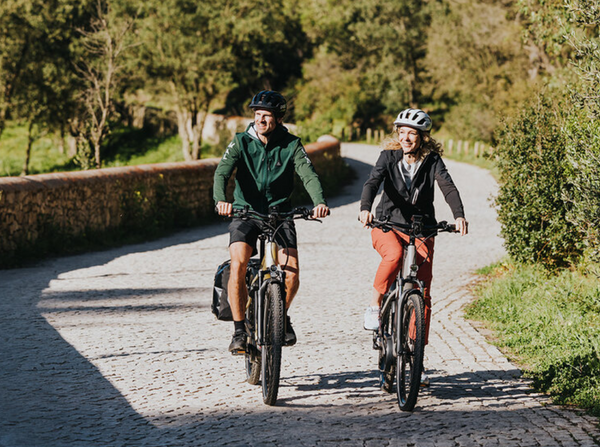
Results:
<point x="462" y="226"/>
<point x="224" y="209"/>
<point x="320" y="211"/>
<point x="365" y="218"/>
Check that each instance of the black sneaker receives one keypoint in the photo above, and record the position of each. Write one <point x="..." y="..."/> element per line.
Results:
<point x="290" y="335"/>
<point x="238" y="343"/>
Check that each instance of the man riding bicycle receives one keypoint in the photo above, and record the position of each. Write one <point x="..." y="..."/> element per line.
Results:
<point x="266" y="156"/>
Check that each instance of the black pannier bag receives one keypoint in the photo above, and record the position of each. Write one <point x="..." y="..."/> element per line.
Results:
<point x="220" y="303"/>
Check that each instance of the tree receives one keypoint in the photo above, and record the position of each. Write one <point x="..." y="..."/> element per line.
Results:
<point x="15" y="44"/>
<point x="269" y="47"/>
<point x="103" y="49"/>
<point x="43" y="99"/>
<point x="188" y="58"/>
<point x="479" y="70"/>
<point x="195" y="53"/>
<point x="375" y="50"/>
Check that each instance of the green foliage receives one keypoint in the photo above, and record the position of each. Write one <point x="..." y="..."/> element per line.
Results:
<point x="534" y="177"/>
<point x="583" y="130"/>
<point x="195" y="54"/>
<point x="325" y="99"/>
<point x="46" y="157"/>
<point x="340" y="63"/>
<point x="477" y="66"/>
<point x="583" y="147"/>
<point x="545" y="24"/>
<point x="123" y="147"/>
<point x="36" y="71"/>
<point x="372" y="52"/>
<point x="486" y="161"/>
<point x="550" y="324"/>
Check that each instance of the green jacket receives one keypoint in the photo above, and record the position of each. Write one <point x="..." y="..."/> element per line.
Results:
<point x="265" y="174"/>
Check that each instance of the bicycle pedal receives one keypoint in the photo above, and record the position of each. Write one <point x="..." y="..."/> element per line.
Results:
<point x="377" y="342"/>
<point x="238" y="352"/>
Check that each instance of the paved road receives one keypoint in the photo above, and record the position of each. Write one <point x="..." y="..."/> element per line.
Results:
<point x="119" y="348"/>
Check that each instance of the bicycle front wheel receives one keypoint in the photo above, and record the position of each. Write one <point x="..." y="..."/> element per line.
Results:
<point x="411" y="349"/>
<point x="274" y="335"/>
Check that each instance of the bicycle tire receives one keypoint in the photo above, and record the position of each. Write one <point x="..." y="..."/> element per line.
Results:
<point x="410" y="352"/>
<point x="274" y="335"/>
<point x="387" y="362"/>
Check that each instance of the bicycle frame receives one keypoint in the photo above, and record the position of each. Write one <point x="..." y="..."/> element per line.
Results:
<point x="406" y="283"/>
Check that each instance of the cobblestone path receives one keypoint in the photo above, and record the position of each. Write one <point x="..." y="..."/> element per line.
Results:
<point x="119" y="348"/>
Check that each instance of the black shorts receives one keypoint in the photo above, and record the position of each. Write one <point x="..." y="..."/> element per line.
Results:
<point x="248" y="230"/>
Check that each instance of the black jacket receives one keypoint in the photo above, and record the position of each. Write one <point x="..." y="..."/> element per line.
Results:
<point x="397" y="201"/>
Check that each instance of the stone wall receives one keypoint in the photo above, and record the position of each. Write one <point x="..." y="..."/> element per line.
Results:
<point x="54" y="212"/>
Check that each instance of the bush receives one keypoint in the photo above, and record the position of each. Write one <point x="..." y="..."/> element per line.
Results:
<point x="583" y="130"/>
<point x="550" y="323"/>
<point x="534" y="178"/>
<point x="584" y="196"/>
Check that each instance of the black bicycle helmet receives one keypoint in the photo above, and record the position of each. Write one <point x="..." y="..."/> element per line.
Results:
<point x="269" y="100"/>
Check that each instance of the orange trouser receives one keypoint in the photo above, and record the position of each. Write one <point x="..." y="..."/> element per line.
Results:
<point x="390" y="245"/>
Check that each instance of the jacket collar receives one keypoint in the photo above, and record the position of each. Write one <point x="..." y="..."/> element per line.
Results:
<point x="398" y="156"/>
<point x="277" y="134"/>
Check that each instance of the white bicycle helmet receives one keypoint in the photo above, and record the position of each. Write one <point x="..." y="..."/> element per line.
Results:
<point x="415" y="118"/>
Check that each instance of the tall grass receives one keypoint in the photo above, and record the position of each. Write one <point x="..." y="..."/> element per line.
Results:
<point x="549" y="324"/>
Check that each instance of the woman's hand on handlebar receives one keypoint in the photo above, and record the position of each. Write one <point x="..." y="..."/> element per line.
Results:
<point x="462" y="226"/>
<point x="320" y="211"/>
<point x="365" y="218"/>
<point x="224" y="209"/>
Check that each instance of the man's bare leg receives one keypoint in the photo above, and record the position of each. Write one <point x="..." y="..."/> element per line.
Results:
<point x="237" y="292"/>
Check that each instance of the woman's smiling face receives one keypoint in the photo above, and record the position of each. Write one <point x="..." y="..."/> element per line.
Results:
<point x="409" y="139"/>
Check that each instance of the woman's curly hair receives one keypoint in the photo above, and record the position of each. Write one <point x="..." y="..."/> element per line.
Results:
<point x="428" y="144"/>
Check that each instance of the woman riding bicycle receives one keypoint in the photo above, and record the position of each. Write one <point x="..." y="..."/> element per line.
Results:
<point x="408" y="167"/>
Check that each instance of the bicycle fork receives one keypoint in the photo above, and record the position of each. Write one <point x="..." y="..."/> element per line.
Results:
<point x="408" y="285"/>
<point x="270" y="272"/>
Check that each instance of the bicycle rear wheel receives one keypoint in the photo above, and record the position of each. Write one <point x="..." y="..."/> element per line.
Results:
<point x="387" y="361"/>
<point x="411" y="350"/>
<point x="274" y="335"/>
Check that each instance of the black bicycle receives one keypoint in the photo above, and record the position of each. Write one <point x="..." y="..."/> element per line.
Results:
<point x="400" y="338"/>
<point x="265" y="309"/>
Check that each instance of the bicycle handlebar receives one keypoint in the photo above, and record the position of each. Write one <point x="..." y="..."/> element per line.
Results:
<point x="415" y="226"/>
<point x="296" y="213"/>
